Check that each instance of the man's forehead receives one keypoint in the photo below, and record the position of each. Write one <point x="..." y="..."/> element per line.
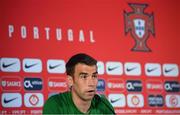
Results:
<point x="84" y="65"/>
<point x="85" y="68"/>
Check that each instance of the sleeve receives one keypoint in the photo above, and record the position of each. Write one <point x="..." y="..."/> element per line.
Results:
<point x="51" y="106"/>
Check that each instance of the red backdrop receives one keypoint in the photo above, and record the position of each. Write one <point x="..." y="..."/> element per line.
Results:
<point x="40" y="34"/>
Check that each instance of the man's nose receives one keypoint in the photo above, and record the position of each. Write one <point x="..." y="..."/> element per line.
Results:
<point x="91" y="82"/>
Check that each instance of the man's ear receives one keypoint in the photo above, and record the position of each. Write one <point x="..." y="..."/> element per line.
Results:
<point x="70" y="81"/>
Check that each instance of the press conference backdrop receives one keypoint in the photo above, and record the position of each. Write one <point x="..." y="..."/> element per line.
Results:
<point x="136" y="43"/>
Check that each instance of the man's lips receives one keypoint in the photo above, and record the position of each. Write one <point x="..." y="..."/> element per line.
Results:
<point x="91" y="91"/>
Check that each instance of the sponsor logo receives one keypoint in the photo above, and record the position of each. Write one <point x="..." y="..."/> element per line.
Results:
<point x="173" y="101"/>
<point x="101" y="85"/>
<point x="115" y="85"/>
<point x="11" y="100"/>
<point x="117" y="100"/>
<point x="33" y="100"/>
<point x="152" y="69"/>
<point x="31" y="65"/>
<point x="114" y="100"/>
<point x="7" y="101"/>
<point x="56" y="66"/>
<point x="114" y="68"/>
<point x="140" y="24"/>
<point x="11" y="83"/>
<point x="134" y="85"/>
<point x="100" y="67"/>
<point x="155" y="100"/>
<point x="5" y="66"/>
<point x="10" y="65"/>
<point x="33" y="83"/>
<point x="133" y="69"/>
<point x="135" y="100"/>
<point x="130" y="69"/>
<point x="170" y="70"/>
<point x="154" y="86"/>
<point x="57" y="84"/>
<point x="172" y="86"/>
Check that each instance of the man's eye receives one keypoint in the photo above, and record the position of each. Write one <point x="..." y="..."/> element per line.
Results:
<point x="94" y="75"/>
<point x="83" y="76"/>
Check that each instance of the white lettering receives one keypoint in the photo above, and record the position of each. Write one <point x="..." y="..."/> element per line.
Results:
<point x="58" y="34"/>
<point x="125" y="111"/>
<point x="36" y="32"/>
<point x="23" y="32"/>
<point x="18" y="111"/>
<point x="91" y="37"/>
<point x="117" y="85"/>
<point x="13" y="83"/>
<point x="70" y="35"/>
<point x="154" y="86"/>
<point x="59" y="84"/>
<point x="36" y="111"/>
<point x="11" y="30"/>
<point x="47" y="29"/>
<point x="37" y="82"/>
<point x="167" y="111"/>
<point x="146" y="111"/>
<point x="81" y="36"/>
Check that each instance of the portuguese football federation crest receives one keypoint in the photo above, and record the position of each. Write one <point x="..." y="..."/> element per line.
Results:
<point x="140" y="24"/>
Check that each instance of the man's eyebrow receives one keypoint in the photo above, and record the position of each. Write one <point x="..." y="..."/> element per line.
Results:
<point x="83" y="73"/>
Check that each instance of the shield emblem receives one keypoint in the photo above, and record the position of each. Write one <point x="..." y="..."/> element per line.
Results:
<point x="139" y="25"/>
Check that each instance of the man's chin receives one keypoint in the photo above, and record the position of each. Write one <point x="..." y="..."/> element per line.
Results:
<point x="89" y="97"/>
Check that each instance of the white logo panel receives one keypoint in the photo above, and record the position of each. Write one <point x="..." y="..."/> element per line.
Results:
<point x="100" y="67"/>
<point x="135" y="100"/>
<point x="33" y="100"/>
<point x="153" y="69"/>
<point x="117" y="100"/>
<point x="114" y="68"/>
<point x="173" y="101"/>
<point x="11" y="100"/>
<point x="133" y="69"/>
<point x="170" y="70"/>
<point x="32" y="65"/>
<point x="56" y="66"/>
<point x="10" y="65"/>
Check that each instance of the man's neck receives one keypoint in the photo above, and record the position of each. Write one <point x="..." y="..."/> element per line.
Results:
<point x="82" y="105"/>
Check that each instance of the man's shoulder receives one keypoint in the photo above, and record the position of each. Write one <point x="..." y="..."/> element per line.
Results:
<point x="58" y="98"/>
<point x="56" y="103"/>
<point x="103" y="104"/>
<point x="100" y="97"/>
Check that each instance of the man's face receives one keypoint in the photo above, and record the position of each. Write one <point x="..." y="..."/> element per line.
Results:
<point x="85" y="81"/>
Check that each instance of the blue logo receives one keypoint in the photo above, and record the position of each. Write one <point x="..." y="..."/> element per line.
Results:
<point x="134" y="85"/>
<point x="101" y="85"/>
<point x="155" y="100"/>
<point x="172" y="86"/>
<point x="33" y="83"/>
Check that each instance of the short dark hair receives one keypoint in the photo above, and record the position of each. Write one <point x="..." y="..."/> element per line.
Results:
<point x="76" y="59"/>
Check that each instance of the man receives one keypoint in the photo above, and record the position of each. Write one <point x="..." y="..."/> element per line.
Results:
<point x="82" y="75"/>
